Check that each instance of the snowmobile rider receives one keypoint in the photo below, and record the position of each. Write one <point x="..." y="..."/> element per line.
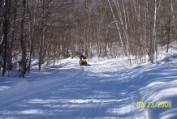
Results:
<point x="83" y="60"/>
<point x="82" y="57"/>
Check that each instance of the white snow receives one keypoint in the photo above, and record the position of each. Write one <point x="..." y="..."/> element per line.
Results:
<point x="2" y="88"/>
<point x="32" y="111"/>
<point x="108" y="89"/>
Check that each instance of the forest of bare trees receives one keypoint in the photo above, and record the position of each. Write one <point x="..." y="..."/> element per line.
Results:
<point x="49" y="30"/>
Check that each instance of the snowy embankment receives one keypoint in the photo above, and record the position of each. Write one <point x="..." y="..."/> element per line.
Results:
<point x="103" y="90"/>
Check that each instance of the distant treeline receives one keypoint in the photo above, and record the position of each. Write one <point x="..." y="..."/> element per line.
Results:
<point x="51" y="29"/>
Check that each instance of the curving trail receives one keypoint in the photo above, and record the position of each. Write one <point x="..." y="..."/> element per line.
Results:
<point x="105" y="90"/>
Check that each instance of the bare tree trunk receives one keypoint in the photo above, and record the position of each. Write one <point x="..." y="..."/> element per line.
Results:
<point x="169" y="26"/>
<point x="153" y="40"/>
<point x="6" y="17"/>
<point x="31" y="32"/>
<point x="42" y="41"/>
<point x="118" y="29"/>
<point x="41" y="52"/>
<point x="22" y="41"/>
<point x="168" y="33"/>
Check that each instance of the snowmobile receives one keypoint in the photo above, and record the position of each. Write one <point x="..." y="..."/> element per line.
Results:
<point x="83" y="61"/>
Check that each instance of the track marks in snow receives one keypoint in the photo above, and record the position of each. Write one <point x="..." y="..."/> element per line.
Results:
<point x="25" y="89"/>
<point x="96" y="91"/>
<point x="100" y="91"/>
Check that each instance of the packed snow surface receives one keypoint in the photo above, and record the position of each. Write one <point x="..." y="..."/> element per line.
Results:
<point x="107" y="89"/>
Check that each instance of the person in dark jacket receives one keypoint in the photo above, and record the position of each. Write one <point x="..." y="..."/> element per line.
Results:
<point x="82" y="57"/>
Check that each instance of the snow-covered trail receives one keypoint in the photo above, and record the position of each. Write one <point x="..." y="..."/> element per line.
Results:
<point x="95" y="91"/>
<point x="105" y="90"/>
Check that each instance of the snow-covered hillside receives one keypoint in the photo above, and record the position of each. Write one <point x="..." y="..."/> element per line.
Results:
<point x="110" y="89"/>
